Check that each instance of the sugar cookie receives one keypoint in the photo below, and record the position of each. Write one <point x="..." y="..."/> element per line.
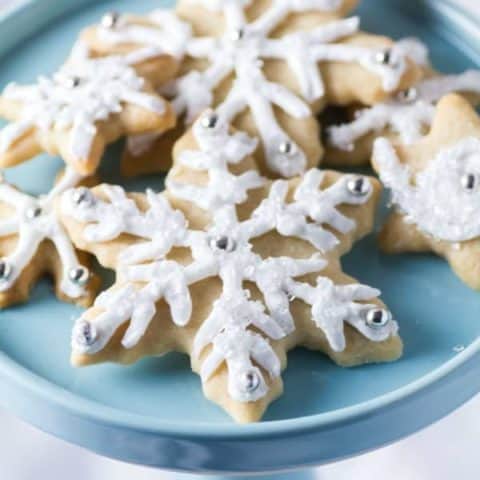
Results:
<point x="435" y="188"/>
<point x="230" y="268"/>
<point x="78" y="111"/>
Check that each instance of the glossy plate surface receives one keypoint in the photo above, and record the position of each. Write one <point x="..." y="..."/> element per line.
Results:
<point x="154" y="412"/>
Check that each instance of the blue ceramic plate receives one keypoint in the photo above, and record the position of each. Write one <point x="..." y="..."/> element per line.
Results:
<point x="154" y="412"/>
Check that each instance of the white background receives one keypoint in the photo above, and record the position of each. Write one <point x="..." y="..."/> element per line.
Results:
<point x="445" y="451"/>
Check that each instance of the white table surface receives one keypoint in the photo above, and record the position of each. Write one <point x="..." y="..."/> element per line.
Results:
<point x="445" y="451"/>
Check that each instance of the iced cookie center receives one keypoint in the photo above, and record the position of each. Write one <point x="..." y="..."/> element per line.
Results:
<point x="82" y="93"/>
<point x="444" y="198"/>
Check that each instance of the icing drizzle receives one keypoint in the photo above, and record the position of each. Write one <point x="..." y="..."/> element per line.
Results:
<point x="409" y="114"/>
<point x="164" y="31"/>
<point x="443" y="200"/>
<point x="217" y="150"/>
<point x="224" y="250"/>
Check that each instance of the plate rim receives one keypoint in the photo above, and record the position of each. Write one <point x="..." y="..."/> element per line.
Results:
<point x="115" y="417"/>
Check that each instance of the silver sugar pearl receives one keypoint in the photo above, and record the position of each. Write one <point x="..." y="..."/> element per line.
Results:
<point x="70" y="81"/>
<point x="358" y="186"/>
<point x="83" y="196"/>
<point x="290" y="296"/>
<point x="287" y="148"/>
<point x="408" y="96"/>
<point x="79" y="275"/>
<point x="385" y="57"/>
<point x="33" y="212"/>
<point x="5" y="270"/>
<point x="85" y="333"/>
<point x="75" y="81"/>
<point x="377" y="318"/>
<point x="469" y="182"/>
<point x="238" y="34"/>
<point x="209" y="120"/>
<point x="222" y="242"/>
<point x="251" y="381"/>
<point x="110" y="20"/>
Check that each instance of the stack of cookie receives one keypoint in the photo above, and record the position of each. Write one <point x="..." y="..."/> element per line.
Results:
<point x="237" y="261"/>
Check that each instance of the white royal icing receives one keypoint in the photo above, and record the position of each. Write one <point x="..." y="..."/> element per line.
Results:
<point x="104" y="86"/>
<point x="162" y="227"/>
<point x="435" y="199"/>
<point x="217" y="150"/>
<point x="164" y="31"/>
<point x="408" y="118"/>
<point x="333" y="305"/>
<point x="238" y="328"/>
<point x="311" y="203"/>
<point x="241" y="50"/>
<point x="32" y="229"/>
<point x="166" y="280"/>
<point x="415" y="50"/>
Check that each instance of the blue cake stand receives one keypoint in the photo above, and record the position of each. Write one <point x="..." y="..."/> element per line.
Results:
<point x="153" y="413"/>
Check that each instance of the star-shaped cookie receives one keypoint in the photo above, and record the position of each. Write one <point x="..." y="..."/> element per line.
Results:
<point x="268" y="67"/>
<point x="34" y="243"/>
<point x="79" y="110"/>
<point x="231" y="269"/>
<point x="435" y="186"/>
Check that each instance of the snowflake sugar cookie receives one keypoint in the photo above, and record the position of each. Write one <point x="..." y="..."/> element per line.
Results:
<point x="406" y="118"/>
<point x="122" y="34"/>
<point x="79" y="110"/>
<point x="435" y="186"/>
<point x="230" y="268"/>
<point x="266" y="67"/>
<point x="33" y="242"/>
